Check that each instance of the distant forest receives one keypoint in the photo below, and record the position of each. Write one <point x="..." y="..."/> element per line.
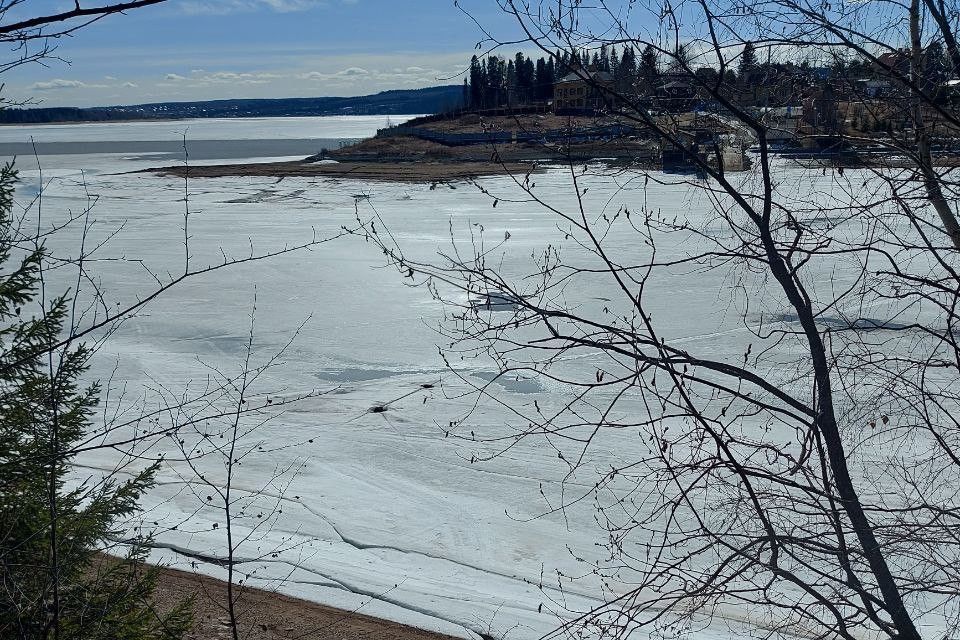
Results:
<point x="395" y="102"/>
<point x="497" y="82"/>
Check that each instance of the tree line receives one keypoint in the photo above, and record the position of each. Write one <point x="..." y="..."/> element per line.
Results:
<point x="499" y="81"/>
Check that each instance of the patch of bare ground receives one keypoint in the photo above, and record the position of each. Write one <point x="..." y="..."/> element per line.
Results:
<point x="405" y="158"/>
<point x="472" y="122"/>
<point x="438" y="171"/>
<point x="395" y="150"/>
<point x="264" y="615"/>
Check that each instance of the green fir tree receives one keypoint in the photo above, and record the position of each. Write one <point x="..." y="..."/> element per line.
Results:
<point x="55" y="583"/>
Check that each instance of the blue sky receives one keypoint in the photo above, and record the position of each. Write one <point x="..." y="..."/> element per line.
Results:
<point x="208" y="49"/>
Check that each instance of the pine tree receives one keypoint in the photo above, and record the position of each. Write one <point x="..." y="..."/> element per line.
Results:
<point x="748" y="60"/>
<point x="562" y="66"/>
<point x="55" y="584"/>
<point x="682" y="59"/>
<point x="604" y="59"/>
<point x="549" y="78"/>
<point x="540" y="79"/>
<point x="496" y="81"/>
<point x="477" y="84"/>
<point x="936" y="68"/>
<point x="649" y="69"/>
<point x="525" y="71"/>
<point x="625" y="78"/>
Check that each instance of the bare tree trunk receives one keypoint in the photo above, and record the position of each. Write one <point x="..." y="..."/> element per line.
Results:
<point x="826" y="423"/>
<point x="925" y="158"/>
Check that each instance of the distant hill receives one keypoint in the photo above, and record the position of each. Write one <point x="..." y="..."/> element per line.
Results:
<point x="395" y="102"/>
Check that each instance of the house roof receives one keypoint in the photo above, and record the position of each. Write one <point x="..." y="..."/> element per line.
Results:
<point x="586" y="74"/>
<point x="891" y="59"/>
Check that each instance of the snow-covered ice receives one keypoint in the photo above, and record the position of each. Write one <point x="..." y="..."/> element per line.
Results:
<point x="204" y="128"/>
<point x="388" y="514"/>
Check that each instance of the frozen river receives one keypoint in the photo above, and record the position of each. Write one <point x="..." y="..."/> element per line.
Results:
<point x="384" y="512"/>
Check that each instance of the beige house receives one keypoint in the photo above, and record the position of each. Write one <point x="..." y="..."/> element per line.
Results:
<point x="583" y="89"/>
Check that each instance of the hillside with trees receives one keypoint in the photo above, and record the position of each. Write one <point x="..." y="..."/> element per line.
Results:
<point x="393" y="102"/>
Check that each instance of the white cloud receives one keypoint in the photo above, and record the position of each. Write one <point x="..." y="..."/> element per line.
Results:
<point x="349" y="72"/>
<point x="201" y="78"/>
<point x="223" y="7"/>
<point x="231" y="76"/>
<point x="353" y="71"/>
<point x="57" y="83"/>
<point x="286" y="6"/>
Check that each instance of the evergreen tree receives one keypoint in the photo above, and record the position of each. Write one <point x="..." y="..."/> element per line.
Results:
<point x="540" y="80"/>
<point x="936" y="68"/>
<point x="563" y="63"/>
<point x="55" y="585"/>
<point x="549" y="78"/>
<point x="496" y="82"/>
<point x="681" y="60"/>
<point x="748" y="60"/>
<point x="528" y="74"/>
<point x="525" y="71"/>
<point x="625" y="78"/>
<point x="649" y="69"/>
<point x="477" y="84"/>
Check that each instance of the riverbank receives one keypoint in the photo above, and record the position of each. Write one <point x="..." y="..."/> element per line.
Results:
<point x="272" y="616"/>
<point x="434" y="149"/>
<point x="367" y="171"/>
<point x="411" y="159"/>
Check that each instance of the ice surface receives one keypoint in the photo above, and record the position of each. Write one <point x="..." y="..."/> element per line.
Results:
<point x="387" y="513"/>
<point x="204" y="128"/>
<point x="207" y="140"/>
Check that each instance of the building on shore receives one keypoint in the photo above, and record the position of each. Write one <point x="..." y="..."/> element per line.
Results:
<point x="583" y="90"/>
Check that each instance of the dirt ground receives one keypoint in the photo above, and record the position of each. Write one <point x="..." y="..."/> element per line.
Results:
<point x="270" y="616"/>
<point x="403" y="158"/>
<point x="408" y="159"/>
<point x="445" y="171"/>
<point x="407" y="148"/>
<point x="471" y="123"/>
